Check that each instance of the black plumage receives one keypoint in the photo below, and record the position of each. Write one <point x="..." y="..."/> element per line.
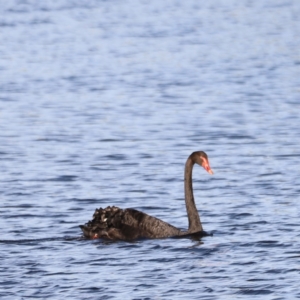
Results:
<point x="129" y="224"/>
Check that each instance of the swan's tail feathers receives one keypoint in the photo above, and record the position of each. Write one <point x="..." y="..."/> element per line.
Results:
<point x="87" y="232"/>
<point x="103" y="220"/>
<point x="124" y="233"/>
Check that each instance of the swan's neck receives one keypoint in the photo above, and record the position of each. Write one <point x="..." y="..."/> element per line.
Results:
<point x="193" y="216"/>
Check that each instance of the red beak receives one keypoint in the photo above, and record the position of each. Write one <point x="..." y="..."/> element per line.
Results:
<point x="206" y="166"/>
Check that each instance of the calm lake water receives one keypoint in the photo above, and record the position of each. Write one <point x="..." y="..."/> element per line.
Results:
<point x="101" y="102"/>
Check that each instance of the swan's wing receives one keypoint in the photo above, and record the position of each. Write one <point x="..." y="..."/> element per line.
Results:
<point x="127" y="224"/>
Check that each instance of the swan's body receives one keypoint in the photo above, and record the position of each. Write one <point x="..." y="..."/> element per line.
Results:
<point x="129" y="224"/>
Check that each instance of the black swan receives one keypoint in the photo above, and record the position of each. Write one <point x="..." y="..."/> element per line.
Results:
<point x="128" y="224"/>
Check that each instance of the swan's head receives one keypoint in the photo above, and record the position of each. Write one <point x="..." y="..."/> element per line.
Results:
<point x="201" y="158"/>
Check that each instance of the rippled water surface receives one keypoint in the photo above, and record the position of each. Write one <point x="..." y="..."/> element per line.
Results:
<point x="102" y="102"/>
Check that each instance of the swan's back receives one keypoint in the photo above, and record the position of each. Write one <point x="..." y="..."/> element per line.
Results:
<point x="126" y="224"/>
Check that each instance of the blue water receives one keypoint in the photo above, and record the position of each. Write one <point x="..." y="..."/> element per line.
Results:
<point x="101" y="102"/>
